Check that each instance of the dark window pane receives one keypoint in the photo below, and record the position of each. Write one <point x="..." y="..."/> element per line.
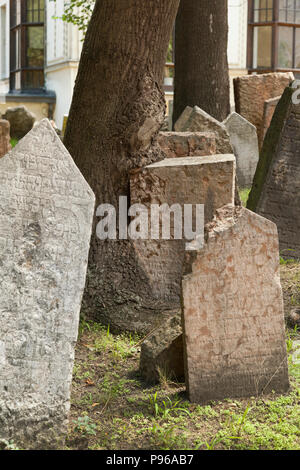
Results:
<point x="35" y="46"/>
<point x="285" y="47"/>
<point x="262" y="47"/>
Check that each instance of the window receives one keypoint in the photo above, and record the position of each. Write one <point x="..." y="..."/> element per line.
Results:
<point x="27" y="45"/>
<point x="274" y="35"/>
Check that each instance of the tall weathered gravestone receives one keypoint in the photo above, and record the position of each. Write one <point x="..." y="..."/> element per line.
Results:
<point x="233" y="320"/>
<point x="243" y="138"/>
<point x="269" y="110"/>
<point x="251" y="92"/>
<point x="46" y="212"/>
<point x="276" y="188"/>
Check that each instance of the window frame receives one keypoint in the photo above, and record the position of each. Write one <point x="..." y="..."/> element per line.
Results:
<point x="275" y="24"/>
<point x="21" y="28"/>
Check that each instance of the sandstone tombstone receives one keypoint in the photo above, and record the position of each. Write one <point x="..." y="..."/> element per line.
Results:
<point x="4" y="137"/>
<point x="45" y="227"/>
<point x="251" y="92"/>
<point x="243" y="138"/>
<point x="21" y="121"/>
<point x="187" y="144"/>
<point x="197" y="120"/>
<point x="233" y="320"/>
<point x="276" y="188"/>
<point x="269" y="109"/>
<point x="208" y="180"/>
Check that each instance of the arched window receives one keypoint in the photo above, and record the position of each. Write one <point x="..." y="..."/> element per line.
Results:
<point x="27" y="45"/>
<point x="274" y="35"/>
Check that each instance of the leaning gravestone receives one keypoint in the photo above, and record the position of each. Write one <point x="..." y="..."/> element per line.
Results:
<point x="233" y="319"/>
<point x="243" y="138"/>
<point x="4" y="137"/>
<point x="45" y="227"/>
<point x="276" y="188"/>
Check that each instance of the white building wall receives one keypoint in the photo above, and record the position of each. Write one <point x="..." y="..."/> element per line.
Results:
<point x="4" y="46"/>
<point x="237" y="41"/>
<point x="63" y="53"/>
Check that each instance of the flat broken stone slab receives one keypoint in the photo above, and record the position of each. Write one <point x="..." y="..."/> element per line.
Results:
<point x="187" y="144"/>
<point x="233" y="318"/>
<point x="208" y="180"/>
<point x="46" y="212"/>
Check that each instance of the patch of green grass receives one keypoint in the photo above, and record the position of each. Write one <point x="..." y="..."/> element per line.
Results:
<point x="244" y="194"/>
<point x="13" y="142"/>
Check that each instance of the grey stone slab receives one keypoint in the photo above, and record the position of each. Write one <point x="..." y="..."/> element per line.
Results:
<point x="244" y="141"/>
<point x="46" y="212"/>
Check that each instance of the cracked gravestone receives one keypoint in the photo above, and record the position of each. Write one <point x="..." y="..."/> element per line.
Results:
<point x="46" y="212"/>
<point x="233" y="317"/>
<point x="276" y="187"/>
<point x="243" y="138"/>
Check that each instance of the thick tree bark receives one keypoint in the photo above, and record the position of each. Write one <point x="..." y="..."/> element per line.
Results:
<point x="201" y="65"/>
<point x="117" y="110"/>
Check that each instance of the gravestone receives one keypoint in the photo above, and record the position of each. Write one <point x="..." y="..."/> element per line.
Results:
<point x="251" y="92"/>
<point x="187" y="144"/>
<point x="233" y="318"/>
<point x="4" y="137"/>
<point x="208" y="180"/>
<point x="269" y="109"/>
<point x="276" y="187"/>
<point x="243" y="138"/>
<point x="45" y="227"/>
<point x="197" y="120"/>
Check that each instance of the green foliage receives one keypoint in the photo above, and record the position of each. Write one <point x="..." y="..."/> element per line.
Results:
<point x="78" y="12"/>
<point x="85" y="425"/>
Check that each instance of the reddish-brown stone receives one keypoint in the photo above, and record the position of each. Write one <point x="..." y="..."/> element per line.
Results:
<point x="234" y="332"/>
<point x="187" y="144"/>
<point x="4" y="137"/>
<point x="251" y="92"/>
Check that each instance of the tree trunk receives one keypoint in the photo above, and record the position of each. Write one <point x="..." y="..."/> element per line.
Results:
<point x="117" y="110"/>
<point x="201" y="65"/>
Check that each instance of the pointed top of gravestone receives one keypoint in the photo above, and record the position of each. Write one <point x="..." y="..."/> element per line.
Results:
<point x="235" y="121"/>
<point x="41" y="152"/>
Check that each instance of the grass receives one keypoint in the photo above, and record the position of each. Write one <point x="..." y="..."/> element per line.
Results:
<point x="244" y="194"/>
<point x="113" y="409"/>
<point x="13" y="142"/>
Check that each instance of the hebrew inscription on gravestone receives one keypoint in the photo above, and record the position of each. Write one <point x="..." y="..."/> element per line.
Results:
<point x="46" y="212"/>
